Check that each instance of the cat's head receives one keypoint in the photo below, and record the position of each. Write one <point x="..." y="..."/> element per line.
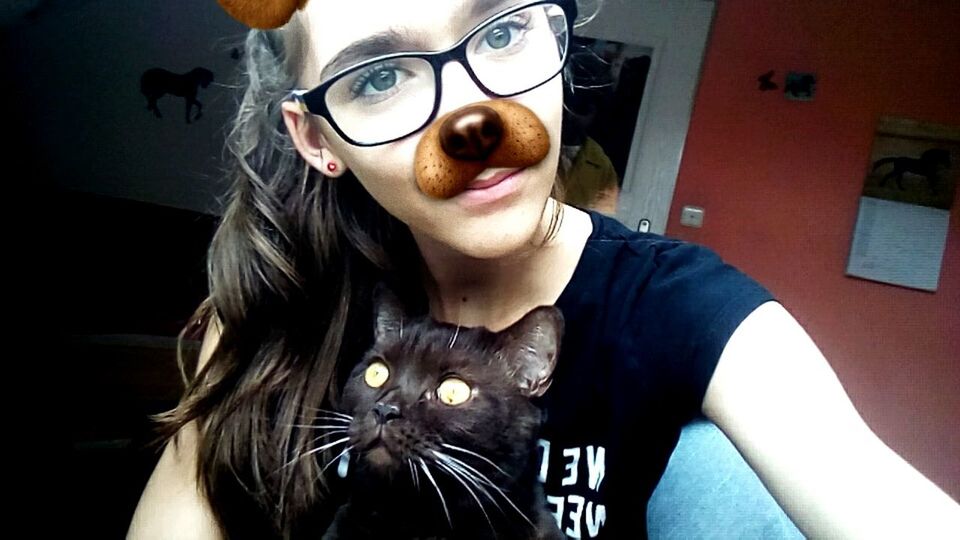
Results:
<point x="429" y="394"/>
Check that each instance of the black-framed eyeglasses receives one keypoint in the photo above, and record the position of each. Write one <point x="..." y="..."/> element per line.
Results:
<point x="390" y="97"/>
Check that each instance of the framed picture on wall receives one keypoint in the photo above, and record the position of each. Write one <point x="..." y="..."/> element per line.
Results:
<point x="904" y="213"/>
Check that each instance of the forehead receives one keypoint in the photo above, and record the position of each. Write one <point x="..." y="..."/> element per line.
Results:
<point x="332" y="25"/>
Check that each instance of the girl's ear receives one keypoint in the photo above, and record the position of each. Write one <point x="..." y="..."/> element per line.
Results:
<point x="310" y="143"/>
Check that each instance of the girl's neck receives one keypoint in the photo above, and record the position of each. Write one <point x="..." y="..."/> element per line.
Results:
<point x="496" y="292"/>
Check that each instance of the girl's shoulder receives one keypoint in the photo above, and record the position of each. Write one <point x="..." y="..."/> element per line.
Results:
<point x="644" y="291"/>
<point x="622" y="265"/>
<point x="644" y="309"/>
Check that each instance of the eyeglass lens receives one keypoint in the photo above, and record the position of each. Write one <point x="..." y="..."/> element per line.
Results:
<point x="393" y="98"/>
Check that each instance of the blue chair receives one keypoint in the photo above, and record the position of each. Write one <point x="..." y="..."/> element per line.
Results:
<point x="709" y="491"/>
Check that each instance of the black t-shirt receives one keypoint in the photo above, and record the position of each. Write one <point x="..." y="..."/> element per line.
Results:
<point x="646" y="319"/>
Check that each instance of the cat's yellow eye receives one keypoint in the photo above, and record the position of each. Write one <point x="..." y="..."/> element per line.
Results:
<point x="454" y="391"/>
<point x="376" y="374"/>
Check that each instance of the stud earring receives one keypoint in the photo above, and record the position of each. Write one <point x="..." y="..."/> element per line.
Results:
<point x="332" y="167"/>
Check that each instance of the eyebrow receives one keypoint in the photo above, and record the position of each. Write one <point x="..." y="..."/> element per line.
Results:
<point x="487" y="7"/>
<point x="393" y="40"/>
<point x="381" y="43"/>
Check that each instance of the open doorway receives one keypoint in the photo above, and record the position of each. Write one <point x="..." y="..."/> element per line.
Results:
<point x="602" y="99"/>
<point x="673" y="35"/>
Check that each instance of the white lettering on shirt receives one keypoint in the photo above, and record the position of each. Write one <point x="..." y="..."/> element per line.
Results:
<point x="544" y="459"/>
<point x="557" y="503"/>
<point x="595" y="519"/>
<point x="571" y="467"/>
<point x="596" y="463"/>
<point x="576" y="515"/>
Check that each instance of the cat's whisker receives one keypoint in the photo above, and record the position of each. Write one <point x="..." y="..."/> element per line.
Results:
<point x="327" y="418"/>
<point x="445" y="468"/>
<point x="476" y="484"/>
<point x="327" y="434"/>
<point x="315" y="450"/>
<point x="454" y="339"/>
<point x="472" y="479"/>
<point x="450" y="460"/>
<point x="443" y="501"/>
<point x="328" y="411"/>
<point x="321" y="409"/>
<point x="323" y="423"/>
<point x="414" y="474"/>
<point x="474" y="454"/>
<point x="318" y="416"/>
<point x="491" y="484"/>
<point x="312" y="426"/>
<point x="331" y="462"/>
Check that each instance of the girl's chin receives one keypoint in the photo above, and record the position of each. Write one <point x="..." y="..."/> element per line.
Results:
<point x="494" y="236"/>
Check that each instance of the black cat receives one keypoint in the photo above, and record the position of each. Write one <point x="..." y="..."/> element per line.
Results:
<point x="442" y="437"/>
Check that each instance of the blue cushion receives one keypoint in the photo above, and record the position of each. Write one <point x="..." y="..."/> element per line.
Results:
<point x="709" y="491"/>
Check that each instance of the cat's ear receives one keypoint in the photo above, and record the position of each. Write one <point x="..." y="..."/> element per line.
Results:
<point x="388" y="315"/>
<point x="530" y="348"/>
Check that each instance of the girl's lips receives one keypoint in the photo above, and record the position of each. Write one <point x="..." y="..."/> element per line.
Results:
<point x="496" y="187"/>
<point x="491" y="181"/>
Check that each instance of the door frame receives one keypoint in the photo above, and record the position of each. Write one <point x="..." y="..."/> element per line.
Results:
<point x="676" y="32"/>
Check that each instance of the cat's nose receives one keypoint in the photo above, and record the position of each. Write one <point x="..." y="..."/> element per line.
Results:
<point x="472" y="133"/>
<point x="385" y="412"/>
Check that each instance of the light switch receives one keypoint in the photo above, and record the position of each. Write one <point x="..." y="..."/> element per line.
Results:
<point x="691" y="216"/>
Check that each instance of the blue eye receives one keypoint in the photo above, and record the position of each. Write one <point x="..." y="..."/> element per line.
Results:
<point x="506" y="33"/>
<point x="498" y="37"/>
<point x="383" y="79"/>
<point x="376" y="80"/>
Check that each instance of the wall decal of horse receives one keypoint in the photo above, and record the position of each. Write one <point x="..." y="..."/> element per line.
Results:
<point x="931" y="166"/>
<point x="157" y="82"/>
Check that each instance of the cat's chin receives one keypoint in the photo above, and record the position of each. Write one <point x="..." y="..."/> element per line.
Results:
<point x="379" y="457"/>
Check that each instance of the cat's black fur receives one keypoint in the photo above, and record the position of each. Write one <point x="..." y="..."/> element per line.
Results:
<point x="402" y="422"/>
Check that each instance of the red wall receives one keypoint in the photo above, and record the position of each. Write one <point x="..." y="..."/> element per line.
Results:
<point x="780" y="182"/>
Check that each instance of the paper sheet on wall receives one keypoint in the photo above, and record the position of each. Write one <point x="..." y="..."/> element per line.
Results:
<point x="898" y="243"/>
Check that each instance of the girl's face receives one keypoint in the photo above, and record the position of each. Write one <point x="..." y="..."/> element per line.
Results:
<point x="502" y="220"/>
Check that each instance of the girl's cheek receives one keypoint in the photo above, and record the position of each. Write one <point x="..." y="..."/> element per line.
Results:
<point x="392" y="160"/>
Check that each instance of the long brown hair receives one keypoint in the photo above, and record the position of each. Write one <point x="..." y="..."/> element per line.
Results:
<point x="292" y="268"/>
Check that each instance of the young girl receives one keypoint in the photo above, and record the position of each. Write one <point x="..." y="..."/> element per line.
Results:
<point x="326" y="203"/>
